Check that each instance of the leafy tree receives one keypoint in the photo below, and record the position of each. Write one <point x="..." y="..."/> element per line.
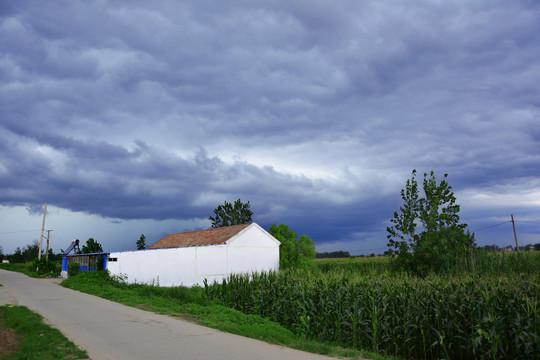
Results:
<point x="54" y="256"/>
<point x="442" y="243"/>
<point x="30" y="252"/>
<point x="141" y="243"/>
<point x="17" y="256"/>
<point x="294" y="252"/>
<point x="26" y="254"/>
<point x="92" y="246"/>
<point x="231" y="214"/>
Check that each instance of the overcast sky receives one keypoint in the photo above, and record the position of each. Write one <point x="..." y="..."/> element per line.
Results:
<point x="132" y="117"/>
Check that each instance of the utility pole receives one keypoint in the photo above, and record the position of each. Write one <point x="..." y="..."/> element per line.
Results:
<point x="515" y="235"/>
<point x="42" y="230"/>
<point x="48" y="237"/>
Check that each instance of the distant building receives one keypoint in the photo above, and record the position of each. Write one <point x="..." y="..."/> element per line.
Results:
<point x="87" y="262"/>
<point x="189" y="258"/>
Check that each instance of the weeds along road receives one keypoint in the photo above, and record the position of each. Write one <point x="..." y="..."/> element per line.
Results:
<point x="108" y="330"/>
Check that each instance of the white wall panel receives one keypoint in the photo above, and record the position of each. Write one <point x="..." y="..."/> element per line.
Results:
<point x="253" y="259"/>
<point x="211" y="260"/>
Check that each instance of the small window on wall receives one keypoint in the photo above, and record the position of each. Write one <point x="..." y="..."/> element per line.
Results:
<point x="113" y="259"/>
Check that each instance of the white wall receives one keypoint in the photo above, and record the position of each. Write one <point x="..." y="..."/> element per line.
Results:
<point x="251" y="250"/>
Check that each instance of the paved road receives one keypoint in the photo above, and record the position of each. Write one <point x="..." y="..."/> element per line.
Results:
<point x="108" y="330"/>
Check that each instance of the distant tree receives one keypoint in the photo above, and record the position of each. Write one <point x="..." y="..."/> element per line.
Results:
<point x="26" y="254"/>
<point x="294" y="252"/>
<point x="231" y="214"/>
<point x="16" y="257"/>
<point x="491" y="248"/>
<point x="30" y="252"/>
<point x="333" y="254"/>
<point x="91" y="246"/>
<point x="442" y="244"/>
<point x="1" y="253"/>
<point x="55" y="256"/>
<point x="141" y="243"/>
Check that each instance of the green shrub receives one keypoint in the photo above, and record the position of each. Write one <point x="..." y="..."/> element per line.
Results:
<point x="73" y="269"/>
<point x="100" y="262"/>
<point x="44" y="267"/>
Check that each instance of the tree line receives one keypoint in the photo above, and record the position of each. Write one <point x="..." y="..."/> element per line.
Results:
<point x="497" y="248"/>
<point x="28" y="253"/>
<point x="332" y="254"/>
<point x="426" y="234"/>
<point x="31" y="251"/>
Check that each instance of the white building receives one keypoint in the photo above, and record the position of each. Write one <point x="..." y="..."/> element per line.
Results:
<point x="186" y="259"/>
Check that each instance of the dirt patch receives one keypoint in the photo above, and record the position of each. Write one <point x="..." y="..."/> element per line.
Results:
<point x="10" y="341"/>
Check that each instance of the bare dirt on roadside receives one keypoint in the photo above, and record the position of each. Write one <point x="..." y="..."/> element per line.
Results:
<point x="10" y="340"/>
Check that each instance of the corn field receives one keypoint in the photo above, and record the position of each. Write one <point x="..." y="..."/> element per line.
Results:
<point x="470" y="316"/>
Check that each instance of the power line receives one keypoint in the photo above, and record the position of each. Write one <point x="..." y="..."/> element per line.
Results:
<point x="18" y="232"/>
<point x="506" y="222"/>
<point x="491" y="226"/>
<point x="528" y="222"/>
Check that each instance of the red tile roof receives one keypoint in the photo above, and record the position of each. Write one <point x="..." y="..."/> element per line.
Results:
<point x="199" y="238"/>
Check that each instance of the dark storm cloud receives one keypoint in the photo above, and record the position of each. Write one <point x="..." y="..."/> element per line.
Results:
<point x="109" y="180"/>
<point x="315" y="112"/>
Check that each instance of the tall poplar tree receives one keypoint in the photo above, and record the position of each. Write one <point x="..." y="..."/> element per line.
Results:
<point x="426" y="234"/>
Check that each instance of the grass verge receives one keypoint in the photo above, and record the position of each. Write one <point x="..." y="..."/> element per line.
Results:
<point x="191" y="304"/>
<point x="19" y="267"/>
<point x="36" y="340"/>
<point x="49" y="269"/>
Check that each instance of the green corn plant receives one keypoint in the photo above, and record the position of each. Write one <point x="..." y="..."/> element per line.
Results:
<point x="452" y="316"/>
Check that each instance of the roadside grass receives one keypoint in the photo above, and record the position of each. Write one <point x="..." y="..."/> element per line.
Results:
<point x="37" y="339"/>
<point x="49" y="269"/>
<point x="191" y="304"/>
<point x="19" y="267"/>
